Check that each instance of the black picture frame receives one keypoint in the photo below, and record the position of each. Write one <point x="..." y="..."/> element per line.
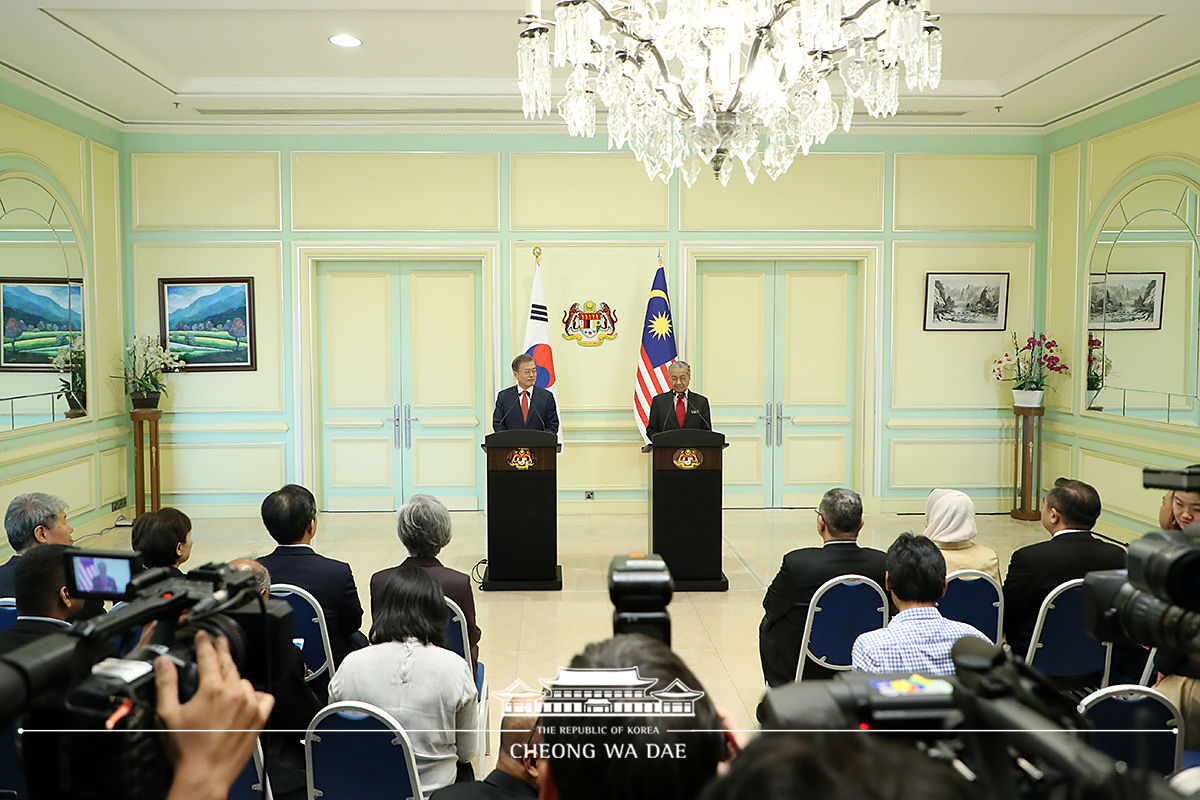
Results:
<point x="198" y="317"/>
<point x="966" y="301"/>
<point x="8" y="316"/>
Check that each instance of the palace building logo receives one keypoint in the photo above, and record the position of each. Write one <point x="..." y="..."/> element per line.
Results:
<point x="590" y="324"/>
<point x="600" y="692"/>
<point x="687" y="458"/>
<point x="521" y="458"/>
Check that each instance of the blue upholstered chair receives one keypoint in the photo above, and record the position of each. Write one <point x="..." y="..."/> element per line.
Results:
<point x="458" y="640"/>
<point x="251" y="784"/>
<point x="975" y="598"/>
<point x="1061" y="647"/>
<point x="1137" y="725"/>
<point x="840" y="610"/>
<point x="357" y="750"/>
<point x="308" y="624"/>
<point x="8" y="612"/>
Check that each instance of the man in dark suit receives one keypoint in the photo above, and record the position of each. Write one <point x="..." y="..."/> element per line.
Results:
<point x="525" y="406"/>
<point x="678" y="408"/>
<point x="43" y="600"/>
<point x="518" y="768"/>
<point x="1069" y="511"/>
<point x="32" y="519"/>
<point x="839" y="519"/>
<point x="290" y="515"/>
<point x="423" y="526"/>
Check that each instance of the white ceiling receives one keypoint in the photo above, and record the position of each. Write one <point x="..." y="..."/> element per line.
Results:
<point x="1020" y="63"/>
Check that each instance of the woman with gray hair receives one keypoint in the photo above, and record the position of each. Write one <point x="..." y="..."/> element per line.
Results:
<point x="423" y="526"/>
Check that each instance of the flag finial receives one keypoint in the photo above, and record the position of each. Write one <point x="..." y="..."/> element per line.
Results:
<point x="537" y="255"/>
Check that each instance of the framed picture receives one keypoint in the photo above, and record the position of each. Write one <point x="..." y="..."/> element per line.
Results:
<point x="966" y="301"/>
<point x="40" y="316"/>
<point x="1126" y="301"/>
<point x="208" y="322"/>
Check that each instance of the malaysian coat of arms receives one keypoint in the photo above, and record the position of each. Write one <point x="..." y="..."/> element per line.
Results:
<point x="521" y="458"/>
<point x="590" y="323"/>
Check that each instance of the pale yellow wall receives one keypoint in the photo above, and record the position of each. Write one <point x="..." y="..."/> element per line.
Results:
<point x="584" y="192"/>
<point x="62" y="152"/>
<point x="965" y="192"/>
<point x="395" y="191"/>
<point x="950" y="369"/>
<point x="205" y="191"/>
<point x="1063" y="258"/>
<point x="107" y="328"/>
<point x="821" y="191"/>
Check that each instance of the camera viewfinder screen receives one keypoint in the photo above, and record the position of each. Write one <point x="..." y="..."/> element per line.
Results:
<point x="101" y="576"/>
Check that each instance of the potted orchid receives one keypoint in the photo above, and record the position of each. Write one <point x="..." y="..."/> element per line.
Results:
<point x="1028" y="366"/>
<point x="1098" y="367"/>
<point x="71" y="363"/>
<point x="145" y="362"/>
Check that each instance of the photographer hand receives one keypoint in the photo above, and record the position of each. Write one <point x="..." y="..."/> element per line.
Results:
<point x="207" y="763"/>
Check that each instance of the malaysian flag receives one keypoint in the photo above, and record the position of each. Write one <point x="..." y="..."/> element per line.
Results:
<point x="658" y="351"/>
<point x="537" y="335"/>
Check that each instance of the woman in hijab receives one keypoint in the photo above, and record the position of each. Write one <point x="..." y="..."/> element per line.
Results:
<point x="950" y="523"/>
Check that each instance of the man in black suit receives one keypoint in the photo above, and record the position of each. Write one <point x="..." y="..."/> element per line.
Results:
<point x="678" y="408"/>
<point x="290" y="515"/>
<point x="32" y="519"/>
<point x="525" y="406"/>
<point x="43" y="600"/>
<point x="1069" y="511"/>
<point x="518" y="769"/>
<point x="839" y="519"/>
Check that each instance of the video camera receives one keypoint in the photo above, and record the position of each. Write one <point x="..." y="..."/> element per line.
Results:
<point x="72" y="685"/>
<point x="1156" y="600"/>
<point x="640" y="587"/>
<point x="998" y="723"/>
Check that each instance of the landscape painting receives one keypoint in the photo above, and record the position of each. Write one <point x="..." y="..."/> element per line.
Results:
<point x="1126" y="301"/>
<point x="966" y="301"/>
<point x="40" y="316"/>
<point x="208" y="322"/>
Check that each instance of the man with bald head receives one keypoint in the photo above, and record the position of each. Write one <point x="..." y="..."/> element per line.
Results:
<point x="678" y="408"/>
<point x="518" y="771"/>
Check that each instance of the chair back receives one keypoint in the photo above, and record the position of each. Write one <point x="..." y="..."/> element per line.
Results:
<point x="12" y="771"/>
<point x="354" y="750"/>
<point x="308" y="623"/>
<point x="975" y="598"/>
<point x="251" y="784"/>
<point x="1148" y="670"/>
<point x="457" y="639"/>
<point x="1137" y="725"/>
<point x="841" y="609"/>
<point x="8" y="612"/>
<point x="1061" y="646"/>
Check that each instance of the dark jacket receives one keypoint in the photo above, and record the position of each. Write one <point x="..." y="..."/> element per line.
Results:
<point x="455" y="585"/>
<point x="1036" y="569"/>
<point x="543" y="412"/>
<point x="496" y="786"/>
<point x="662" y="413"/>
<point x="24" y="631"/>
<point x="786" y="603"/>
<point x="331" y="582"/>
<point x="8" y="577"/>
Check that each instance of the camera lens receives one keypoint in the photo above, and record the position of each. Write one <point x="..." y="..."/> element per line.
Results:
<point x="1167" y="564"/>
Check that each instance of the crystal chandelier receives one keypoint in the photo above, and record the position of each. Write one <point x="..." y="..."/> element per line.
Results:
<point x="689" y="83"/>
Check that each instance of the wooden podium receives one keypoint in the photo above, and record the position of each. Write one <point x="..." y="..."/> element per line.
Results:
<point x="522" y="512"/>
<point x="685" y="507"/>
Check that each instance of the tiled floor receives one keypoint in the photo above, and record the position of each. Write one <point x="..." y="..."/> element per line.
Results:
<point x="528" y="635"/>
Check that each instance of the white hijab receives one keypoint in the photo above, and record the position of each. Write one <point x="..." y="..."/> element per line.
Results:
<point x="950" y="517"/>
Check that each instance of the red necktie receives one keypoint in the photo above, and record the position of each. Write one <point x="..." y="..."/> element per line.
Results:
<point x="679" y="409"/>
<point x="524" y="406"/>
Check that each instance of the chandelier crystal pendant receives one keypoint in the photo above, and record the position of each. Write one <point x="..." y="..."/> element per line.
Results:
<point x="690" y="83"/>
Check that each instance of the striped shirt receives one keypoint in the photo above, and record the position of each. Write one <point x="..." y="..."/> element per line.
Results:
<point x="917" y="640"/>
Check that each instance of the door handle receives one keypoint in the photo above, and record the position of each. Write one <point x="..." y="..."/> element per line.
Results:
<point x="409" y="419"/>
<point x="396" y="426"/>
<point x="768" y="419"/>
<point x="779" y="424"/>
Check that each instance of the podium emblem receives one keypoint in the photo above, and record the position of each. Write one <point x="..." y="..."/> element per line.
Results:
<point x="520" y="458"/>
<point x="687" y="458"/>
<point x="589" y="323"/>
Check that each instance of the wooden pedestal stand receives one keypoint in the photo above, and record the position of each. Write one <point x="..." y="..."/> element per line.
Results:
<point x="1027" y="465"/>
<point x="152" y="416"/>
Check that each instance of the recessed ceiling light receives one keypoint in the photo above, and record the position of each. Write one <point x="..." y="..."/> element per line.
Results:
<point x="345" y="40"/>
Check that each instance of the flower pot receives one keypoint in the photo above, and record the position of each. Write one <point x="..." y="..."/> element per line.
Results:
<point x="1028" y="398"/>
<point x="76" y="405"/>
<point x="144" y="399"/>
<point x="1089" y="397"/>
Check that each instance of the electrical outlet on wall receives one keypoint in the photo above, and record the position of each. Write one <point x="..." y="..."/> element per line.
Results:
<point x="589" y="495"/>
<point x="117" y="505"/>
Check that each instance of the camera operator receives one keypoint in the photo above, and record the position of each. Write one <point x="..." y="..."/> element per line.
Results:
<point x="1180" y="508"/>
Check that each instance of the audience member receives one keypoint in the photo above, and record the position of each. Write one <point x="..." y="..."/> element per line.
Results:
<point x="1179" y="508"/>
<point x="406" y="672"/>
<point x="163" y="538"/>
<point x="43" y="600"/>
<point x="32" y="519"/>
<point x="518" y="767"/>
<point x="950" y="524"/>
<point x="211" y="736"/>
<point x="290" y="515"/>
<point x="1069" y="511"/>
<point x="640" y="756"/>
<point x="839" y="519"/>
<point x="918" y="638"/>
<point x="295" y="706"/>
<point x="423" y="526"/>
<point x="837" y="766"/>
